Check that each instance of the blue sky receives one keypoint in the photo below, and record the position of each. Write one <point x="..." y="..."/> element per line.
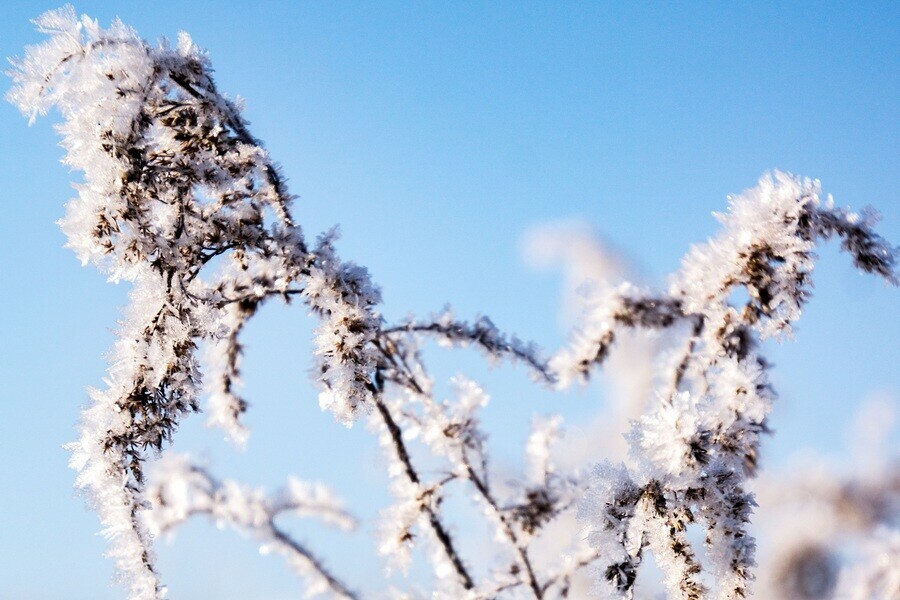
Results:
<point x="436" y="134"/>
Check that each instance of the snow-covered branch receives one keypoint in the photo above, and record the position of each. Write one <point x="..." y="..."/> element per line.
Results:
<point x="180" y="490"/>
<point x="482" y="334"/>
<point x="180" y="200"/>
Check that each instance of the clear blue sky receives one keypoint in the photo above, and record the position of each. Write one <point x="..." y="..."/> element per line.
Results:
<point x="435" y="134"/>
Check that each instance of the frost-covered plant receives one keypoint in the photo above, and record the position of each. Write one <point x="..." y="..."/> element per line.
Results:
<point x="180" y="490"/>
<point x="180" y="200"/>
<point x="692" y="453"/>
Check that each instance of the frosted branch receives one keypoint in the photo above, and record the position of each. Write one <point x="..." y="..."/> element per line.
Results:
<point x="482" y="334"/>
<point x="180" y="490"/>
<point x="183" y="203"/>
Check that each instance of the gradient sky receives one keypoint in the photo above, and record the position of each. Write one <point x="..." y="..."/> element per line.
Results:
<point x="436" y="134"/>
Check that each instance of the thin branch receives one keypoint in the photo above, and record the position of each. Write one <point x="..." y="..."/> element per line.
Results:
<point x="440" y="532"/>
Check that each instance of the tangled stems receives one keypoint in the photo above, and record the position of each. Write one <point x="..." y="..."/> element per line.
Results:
<point x="180" y="200"/>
